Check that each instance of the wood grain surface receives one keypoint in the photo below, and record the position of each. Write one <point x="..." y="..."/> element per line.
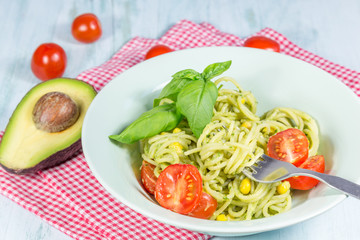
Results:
<point x="327" y="28"/>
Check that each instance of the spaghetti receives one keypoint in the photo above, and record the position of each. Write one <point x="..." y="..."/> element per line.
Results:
<point x="234" y="139"/>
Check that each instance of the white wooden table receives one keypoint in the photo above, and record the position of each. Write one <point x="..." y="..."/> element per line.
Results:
<point x="330" y="29"/>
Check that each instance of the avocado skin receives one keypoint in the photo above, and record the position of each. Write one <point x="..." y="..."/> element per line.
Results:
<point x="52" y="161"/>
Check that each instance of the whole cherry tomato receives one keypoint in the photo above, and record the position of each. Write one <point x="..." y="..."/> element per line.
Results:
<point x="290" y="145"/>
<point x="86" y="28"/>
<point x="157" y="50"/>
<point x="48" y="61"/>
<point x="262" y="43"/>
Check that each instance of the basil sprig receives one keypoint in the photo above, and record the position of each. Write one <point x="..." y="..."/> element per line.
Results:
<point x="194" y="97"/>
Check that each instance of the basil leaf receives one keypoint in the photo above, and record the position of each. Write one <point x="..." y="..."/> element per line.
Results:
<point x="196" y="102"/>
<point x="215" y="69"/>
<point x="179" y="81"/>
<point x="157" y="120"/>
<point x="187" y="73"/>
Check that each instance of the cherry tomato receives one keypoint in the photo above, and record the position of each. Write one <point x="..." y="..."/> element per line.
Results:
<point x="48" y="61"/>
<point x="86" y="28"/>
<point x="148" y="177"/>
<point x="206" y="207"/>
<point x="290" y="145"/>
<point x="179" y="188"/>
<point x="262" y="43"/>
<point x="315" y="163"/>
<point x="157" y="50"/>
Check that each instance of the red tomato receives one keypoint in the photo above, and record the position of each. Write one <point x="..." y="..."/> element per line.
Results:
<point x="86" y="28"/>
<point x="157" y="50"/>
<point x="262" y="43"/>
<point x="290" y="145"/>
<point x="315" y="163"/>
<point x="206" y="207"/>
<point x="179" y="188"/>
<point x="48" y="61"/>
<point x="148" y="177"/>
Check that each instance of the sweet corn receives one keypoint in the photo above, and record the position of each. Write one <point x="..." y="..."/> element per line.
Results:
<point x="243" y="100"/>
<point x="176" y="130"/>
<point x="246" y="125"/>
<point x="221" y="217"/>
<point x="177" y="146"/>
<point x="163" y="133"/>
<point x="245" y="186"/>
<point x="283" y="187"/>
<point x="272" y="130"/>
<point x="268" y="131"/>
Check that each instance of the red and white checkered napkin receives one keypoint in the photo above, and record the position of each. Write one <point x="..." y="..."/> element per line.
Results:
<point x="71" y="199"/>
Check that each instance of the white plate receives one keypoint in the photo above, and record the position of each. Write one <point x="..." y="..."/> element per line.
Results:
<point x="275" y="79"/>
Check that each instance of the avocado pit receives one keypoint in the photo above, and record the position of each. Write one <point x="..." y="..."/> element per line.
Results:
<point x="55" y="112"/>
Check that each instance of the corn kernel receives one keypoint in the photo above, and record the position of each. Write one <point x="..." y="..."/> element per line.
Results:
<point x="245" y="186"/>
<point x="272" y="130"/>
<point x="269" y="131"/>
<point x="177" y="146"/>
<point x="243" y="100"/>
<point x="163" y="133"/>
<point x="221" y="217"/>
<point x="283" y="187"/>
<point x="176" y="130"/>
<point x="246" y="125"/>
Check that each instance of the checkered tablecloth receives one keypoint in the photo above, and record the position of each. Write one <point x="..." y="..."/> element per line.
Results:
<point x="70" y="198"/>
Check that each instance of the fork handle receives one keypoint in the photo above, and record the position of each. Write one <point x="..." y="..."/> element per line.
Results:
<point x="341" y="184"/>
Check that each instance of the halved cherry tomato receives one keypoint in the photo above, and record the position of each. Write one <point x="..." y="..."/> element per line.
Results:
<point x="148" y="177"/>
<point x="206" y="207"/>
<point x="262" y="43"/>
<point x="315" y="163"/>
<point x="290" y="145"/>
<point x="86" y="28"/>
<point x="157" y="50"/>
<point x="48" y="61"/>
<point x="179" y="188"/>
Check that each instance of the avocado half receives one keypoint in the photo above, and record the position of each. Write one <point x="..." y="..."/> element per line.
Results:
<point x="26" y="148"/>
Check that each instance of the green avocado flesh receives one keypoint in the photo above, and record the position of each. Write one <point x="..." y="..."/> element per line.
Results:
<point x="25" y="148"/>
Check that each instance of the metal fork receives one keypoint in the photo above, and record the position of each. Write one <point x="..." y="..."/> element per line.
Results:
<point x="269" y="170"/>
